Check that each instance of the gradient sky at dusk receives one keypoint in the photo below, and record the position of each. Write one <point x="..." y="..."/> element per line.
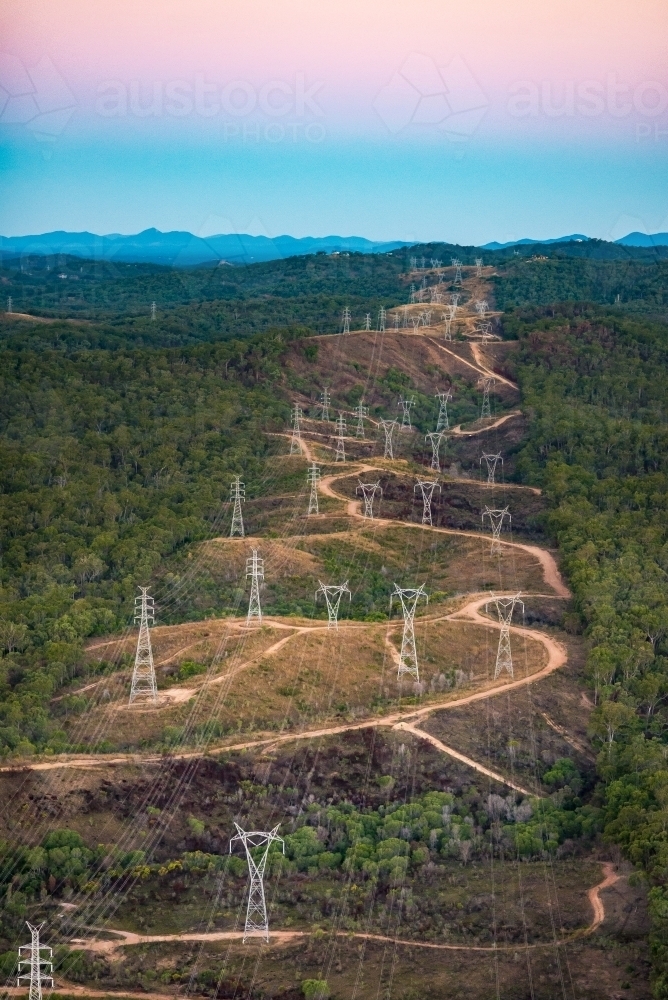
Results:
<point x="463" y="122"/>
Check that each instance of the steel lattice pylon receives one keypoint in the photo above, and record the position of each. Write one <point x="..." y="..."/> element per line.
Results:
<point x="406" y="405"/>
<point x="256" y="910"/>
<point x="496" y="518"/>
<point x="340" y="438"/>
<point x="388" y="426"/>
<point x="367" y="321"/>
<point x="491" y="461"/>
<point x="442" y="423"/>
<point x="143" y="675"/>
<point x="457" y="264"/>
<point x="408" y="662"/>
<point x="325" y="400"/>
<point x="505" y="608"/>
<point x="369" y="491"/>
<point x="313" y="478"/>
<point x="487" y="383"/>
<point x="481" y="307"/>
<point x="427" y="487"/>
<point x="361" y="411"/>
<point x="41" y="969"/>
<point x="254" y="570"/>
<point x="333" y="595"/>
<point x="435" y="438"/>
<point x="346" y="320"/>
<point x="381" y="319"/>
<point x="296" y="415"/>
<point x="478" y="267"/>
<point x="237" y="496"/>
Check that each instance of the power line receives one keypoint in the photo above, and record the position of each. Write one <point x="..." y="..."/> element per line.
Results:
<point x="41" y="969"/>
<point x="505" y="608"/>
<point x="388" y="426"/>
<point x="143" y="676"/>
<point x="427" y="487"/>
<point x="333" y="595"/>
<point x="325" y="400"/>
<point x="487" y="383"/>
<point x="361" y="411"/>
<point x="340" y="442"/>
<point x="406" y="405"/>
<point x="408" y="662"/>
<point x="442" y="423"/>
<point x="312" y="478"/>
<point x="296" y="415"/>
<point x="435" y="438"/>
<point x="237" y="496"/>
<point x="496" y="519"/>
<point x="256" y="910"/>
<point x="491" y="461"/>
<point x="369" y="491"/>
<point x="254" y="570"/>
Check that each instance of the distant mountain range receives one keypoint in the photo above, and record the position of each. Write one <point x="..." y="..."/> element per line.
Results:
<point x="182" y="249"/>
<point x="631" y="240"/>
<point x="575" y="238"/>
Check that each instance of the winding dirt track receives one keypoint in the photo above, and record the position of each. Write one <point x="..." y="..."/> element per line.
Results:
<point x="127" y="939"/>
<point x="399" y="720"/>
<point x="551" y="573"/>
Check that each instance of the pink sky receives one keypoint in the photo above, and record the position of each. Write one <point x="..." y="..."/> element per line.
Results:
<point x="353" y="46"/>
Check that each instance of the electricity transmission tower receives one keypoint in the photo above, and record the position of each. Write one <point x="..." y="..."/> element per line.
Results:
<point x="487" y="383"/>
<point x="396" y="320"/>
<point x="143" y="675"/>
<point x="295" y="444"/>
<point x="313" y="478"/>
<point x="256" y="911"/>
<point x="413" y="263"/>
<point x="457" y="264"/>
<point x="153" y="310"/>
<point x="485" y="329"/>
<point x="41" y="969"/>
<point x="333" y="595"/>
<point x="381" y="319"/>
<point x="237" y="496"/>
<point x="427" y="487"/>
<point x="367" y="321"/>
<point x="9" y="304"/>
<point x="481" y="307"/>
<point x="443" y="424"/>
<point x="340" y="442"/>
<point x="435" y="438"/>
<point x="411" y="297"/>
<point x="361" y="411"/>
<point x="388" y="426"/>
<point x="505" y="608"/>
<point x="325" y="400"/>
<point x="254" y="570"/>
<point x="408" y="662"/>
<point x="369" y="491"/>
<point x="496" y="519"/>
<point x="491" y="461"/>
<point x="346" y="320"/>
<point x="478" y="267"/>
<point x="406" y="405"/>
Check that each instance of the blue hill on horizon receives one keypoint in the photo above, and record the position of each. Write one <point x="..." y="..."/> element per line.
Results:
<point x="183" y="249"/>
